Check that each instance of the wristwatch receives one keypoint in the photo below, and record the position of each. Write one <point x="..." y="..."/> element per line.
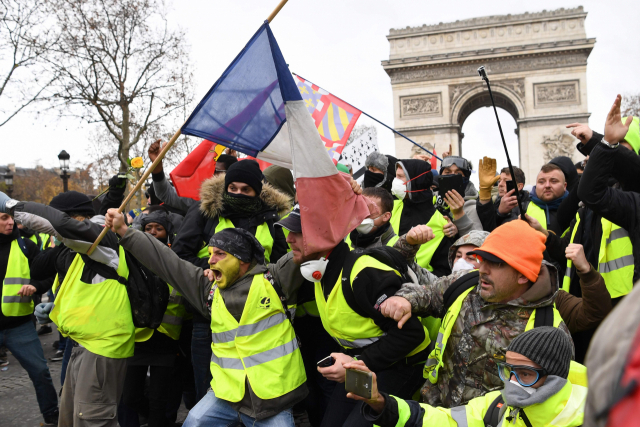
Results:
<point x="609" y="145"/>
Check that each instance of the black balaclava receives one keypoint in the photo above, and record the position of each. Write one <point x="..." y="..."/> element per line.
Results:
<point x="418" y="203"/>
<point x="239" y="205"/>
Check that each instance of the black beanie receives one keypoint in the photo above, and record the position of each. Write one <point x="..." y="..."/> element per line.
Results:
<point x="549" y="347"/>
<point x="239" y="243"/>
<point x="246" y="171"/>
<point x="73" y="201"/>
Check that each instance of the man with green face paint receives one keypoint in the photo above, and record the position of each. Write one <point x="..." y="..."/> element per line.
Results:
<point x="257" y="370"/>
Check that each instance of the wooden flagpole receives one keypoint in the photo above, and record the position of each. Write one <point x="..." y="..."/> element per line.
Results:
<point x="164" y="151"/>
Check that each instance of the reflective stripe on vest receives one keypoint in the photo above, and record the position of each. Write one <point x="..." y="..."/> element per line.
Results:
<point x="261" y="347"/>
<point x="436" y="223"/>
<point x="96" y="315"/>
<point x="615" y="259"/>
<point x="17" y="275"/>
<point x="347" y="327"/>
<point x="262" y="234"/>
<point x="435" y="360"/>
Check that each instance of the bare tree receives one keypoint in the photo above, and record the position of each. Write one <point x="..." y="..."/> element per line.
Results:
<point x="24" y="41"/>
<point x="120" y="65"/>
<point x="631" y="104"/>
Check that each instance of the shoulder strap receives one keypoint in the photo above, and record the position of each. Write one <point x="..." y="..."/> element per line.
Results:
<point x="276" y="286"/>
<point x="23" y="246"/>
<point x="493" y="412"/>
<point x="525" y="419"/>
<point x="102" y="269"/>
<point x="544" y="316"/>
<point x="458" y="287"/>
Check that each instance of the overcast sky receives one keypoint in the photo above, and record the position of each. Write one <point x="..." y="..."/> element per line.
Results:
<point x="338" y="44"/>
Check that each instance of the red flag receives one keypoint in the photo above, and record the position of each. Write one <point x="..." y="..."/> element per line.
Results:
<point x="198" y="166"/>
<point x="434" y="161"/>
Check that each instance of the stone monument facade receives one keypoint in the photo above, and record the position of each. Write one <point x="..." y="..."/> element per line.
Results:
<point x="536" y="63"/>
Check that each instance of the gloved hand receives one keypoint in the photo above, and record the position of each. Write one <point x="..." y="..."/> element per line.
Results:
<point x="117" y="182"/>
<point x="42" y="312"/>
<point x="487" y="176"/>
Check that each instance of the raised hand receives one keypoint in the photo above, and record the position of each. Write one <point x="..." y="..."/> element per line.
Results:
<point x="614" y="129"/>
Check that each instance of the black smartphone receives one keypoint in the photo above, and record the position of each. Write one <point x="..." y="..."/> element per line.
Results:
<point x="450" y="182"/>
<point x="511" y="185"/>
<point x="359" y="382"/>
<point x="326" y="362"/>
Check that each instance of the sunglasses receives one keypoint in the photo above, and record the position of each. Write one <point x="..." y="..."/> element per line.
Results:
<point x="525" y="375"/>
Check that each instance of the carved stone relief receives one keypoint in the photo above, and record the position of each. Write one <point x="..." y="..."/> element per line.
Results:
<point x="557" y="144"/>
<point x="453" y="70"/>
<point x="557" y="93"/>
<point x="457" y="91"/>
<point x="421" y="105"/>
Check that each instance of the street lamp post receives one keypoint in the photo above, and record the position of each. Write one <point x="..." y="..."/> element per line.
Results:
<point x="8" y="180"/>
<point x="64" y="166"/>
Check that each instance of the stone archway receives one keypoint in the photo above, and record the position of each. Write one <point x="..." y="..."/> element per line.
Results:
<point x="536" y="64"/>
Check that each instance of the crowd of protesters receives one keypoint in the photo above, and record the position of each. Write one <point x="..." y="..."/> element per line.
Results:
<point x="487" y="306"/>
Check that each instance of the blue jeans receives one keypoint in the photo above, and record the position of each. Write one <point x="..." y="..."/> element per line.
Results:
<point x="23" y="342"/>
<point x="201" y="357"/>
<point x="214" y="412"/>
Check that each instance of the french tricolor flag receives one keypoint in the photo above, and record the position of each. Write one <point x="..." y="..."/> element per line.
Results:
<point x="256" y="108"/>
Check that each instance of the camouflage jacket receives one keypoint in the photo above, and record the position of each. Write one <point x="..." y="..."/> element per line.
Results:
<point x="480" y="334"/>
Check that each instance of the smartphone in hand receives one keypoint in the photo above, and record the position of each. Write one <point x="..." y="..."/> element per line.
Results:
<point x="326" y="362"/>
<point x="359" y="382"/>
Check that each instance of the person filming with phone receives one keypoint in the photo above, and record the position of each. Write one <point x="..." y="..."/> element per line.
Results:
<point x="538" y="391"/>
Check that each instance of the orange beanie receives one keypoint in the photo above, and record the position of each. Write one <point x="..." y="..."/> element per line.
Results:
<point x="519" y="245"/>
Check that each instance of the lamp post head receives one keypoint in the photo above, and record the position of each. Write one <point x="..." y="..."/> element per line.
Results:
<point x="8" y="179"/>
<point x="64" y="160"/>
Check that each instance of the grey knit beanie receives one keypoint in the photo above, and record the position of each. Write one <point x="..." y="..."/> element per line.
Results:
<point x="549" y="347"/>
<point x="377" y="160"/>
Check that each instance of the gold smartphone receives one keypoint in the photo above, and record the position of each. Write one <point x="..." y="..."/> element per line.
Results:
<point x="359" y="382"/>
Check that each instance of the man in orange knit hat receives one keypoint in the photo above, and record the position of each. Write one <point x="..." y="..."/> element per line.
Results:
<point x="513" y="290"/>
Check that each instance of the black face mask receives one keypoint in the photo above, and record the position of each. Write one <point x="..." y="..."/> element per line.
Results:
<point x="372" y="179"/>
<point x="240" y="204"/>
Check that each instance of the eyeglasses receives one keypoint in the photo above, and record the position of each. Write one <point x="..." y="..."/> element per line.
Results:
<point x="525" y="375"/>
<point x="490" y="264"/>
<point x="460" y="162"/>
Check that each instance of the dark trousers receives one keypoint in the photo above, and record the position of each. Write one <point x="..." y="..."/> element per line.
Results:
<point x="201" y="357"/>
<point x="316" y="344"/>
<point x="401" y="380"/>
<point x="153" y="408"/>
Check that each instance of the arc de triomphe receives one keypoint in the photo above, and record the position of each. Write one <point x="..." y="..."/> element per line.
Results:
<point x="536" y="63"/>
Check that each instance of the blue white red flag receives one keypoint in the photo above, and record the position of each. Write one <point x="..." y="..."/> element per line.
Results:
<point x="256" y="108"/>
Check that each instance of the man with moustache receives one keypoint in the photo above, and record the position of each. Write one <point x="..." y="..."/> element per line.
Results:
<point x="491" y="307"/>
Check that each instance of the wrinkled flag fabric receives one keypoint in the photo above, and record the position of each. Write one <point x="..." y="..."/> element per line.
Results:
<point x="198" y="166"/>
<point x="256" y="108"/>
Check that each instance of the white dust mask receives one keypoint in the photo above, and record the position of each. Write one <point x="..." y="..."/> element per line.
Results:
<point x="529" y="390"/>
<point x="366" y="226"/>
<point x="398" y="188"/>
<point x="462" y="264"/>
<point x="314" y="270"/>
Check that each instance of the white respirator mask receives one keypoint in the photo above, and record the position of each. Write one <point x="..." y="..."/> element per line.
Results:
<point x="366" y="226"/>
<point x="313" y="271"/>
<point x="398" y="188"/>
<point x="529" y="390"/>
<point x="462" y="264"/>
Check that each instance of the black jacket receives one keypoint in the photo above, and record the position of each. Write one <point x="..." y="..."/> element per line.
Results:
<point x="620" y="206"/>
<point x="491" y="218"/>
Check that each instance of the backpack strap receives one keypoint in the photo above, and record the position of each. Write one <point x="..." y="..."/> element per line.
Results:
<point x="23" y="246"/>
<point x="458" y="287"/>
<point x="276" y="286"/>
<point x="493" y="412"/>
<point x="544" y="316"/>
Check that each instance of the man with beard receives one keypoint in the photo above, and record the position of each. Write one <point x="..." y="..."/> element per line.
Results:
<point x="484" y="310"/>
<point x="257" y="370"/>
<point x="412" y="187"/>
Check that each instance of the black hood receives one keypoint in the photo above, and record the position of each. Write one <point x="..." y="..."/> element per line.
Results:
<point x="568" y="169"/>
<point x="418" y="207"/>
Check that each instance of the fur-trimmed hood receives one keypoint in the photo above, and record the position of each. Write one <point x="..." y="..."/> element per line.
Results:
<point x="211" y="197"/>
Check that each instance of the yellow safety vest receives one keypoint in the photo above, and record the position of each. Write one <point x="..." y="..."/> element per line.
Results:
<point x="577" y="372"/>
<point x="347" y="327"/>
<point x="17" y="275"/>
<point x="261" y="347"/>
<point x="172" y="320"/>
<point x="262" y="234"/>
<point x="615" y="259"/>
<point x="538" y="213"/>
<point x="95" y="315"/>
<point x="45" y="240"/>
<point x="436" y="223"/>
<point x="563" y="409"/>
